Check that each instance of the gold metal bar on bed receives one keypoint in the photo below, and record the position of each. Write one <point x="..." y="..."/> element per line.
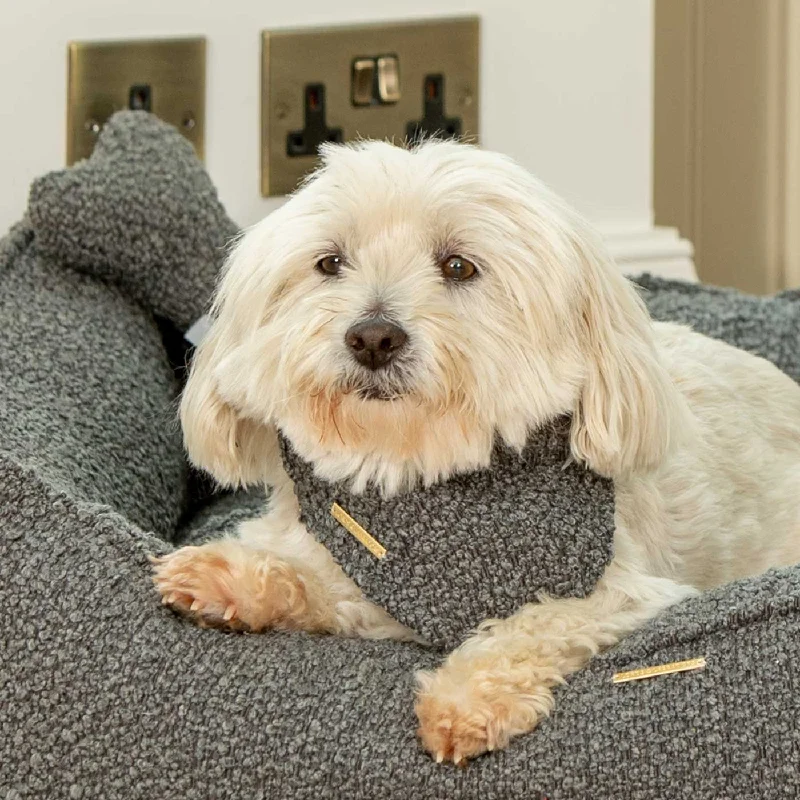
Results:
<point x="661" y="669"/>
<point x="351" y="526"/>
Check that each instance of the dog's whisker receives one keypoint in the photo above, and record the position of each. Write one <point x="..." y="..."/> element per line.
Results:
<point x="285" y="400"/>
<point x="321" y="327"/>
<point x="336" y="425"/>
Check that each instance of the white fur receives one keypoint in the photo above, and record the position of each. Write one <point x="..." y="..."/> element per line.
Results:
<point x="702" y="440"/>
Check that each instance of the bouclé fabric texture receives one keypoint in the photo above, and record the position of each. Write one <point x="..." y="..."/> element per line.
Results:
<point x="475" y="547"/>
<point x="107" y="695"/>
<point x="138" y="215"/>
<point x="87" y="393"/>
<point x="765" y="326"/>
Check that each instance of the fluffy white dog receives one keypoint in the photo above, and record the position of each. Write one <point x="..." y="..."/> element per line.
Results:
<point x="401" y="311"/>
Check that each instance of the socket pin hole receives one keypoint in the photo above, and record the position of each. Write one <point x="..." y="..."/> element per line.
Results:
<point x="140" y="97"/>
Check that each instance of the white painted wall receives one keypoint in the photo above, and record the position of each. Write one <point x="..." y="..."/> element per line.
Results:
<point x="566" y="88"/>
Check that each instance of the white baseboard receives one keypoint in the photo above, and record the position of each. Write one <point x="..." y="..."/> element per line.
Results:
<point x="660" y="251"/>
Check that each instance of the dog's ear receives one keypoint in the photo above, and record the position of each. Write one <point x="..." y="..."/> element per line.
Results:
<point x="235" y="450"/>
<point x="626" y="413"/>
<point x="235" y="447"/>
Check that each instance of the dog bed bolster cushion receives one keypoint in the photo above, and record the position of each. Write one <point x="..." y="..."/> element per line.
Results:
<point x="86" y="391"/>
<point x="141" y="213"/>
<point x="87" y="397"/>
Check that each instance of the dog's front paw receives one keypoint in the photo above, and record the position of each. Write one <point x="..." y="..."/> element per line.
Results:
<point x="225" y="584"/>
<point x="464" y="714"/>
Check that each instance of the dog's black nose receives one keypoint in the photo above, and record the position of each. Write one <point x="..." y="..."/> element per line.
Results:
<point x="375" y="342"/>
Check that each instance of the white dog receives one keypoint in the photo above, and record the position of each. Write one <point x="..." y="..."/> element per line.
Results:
<point x="401" y="311"/>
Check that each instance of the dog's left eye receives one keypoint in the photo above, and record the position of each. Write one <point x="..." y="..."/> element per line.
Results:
<point x="456" y="268"/>
<point x="330" y="265"/>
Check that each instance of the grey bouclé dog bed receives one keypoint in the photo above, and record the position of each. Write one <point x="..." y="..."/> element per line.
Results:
<point x="106" y="694"/>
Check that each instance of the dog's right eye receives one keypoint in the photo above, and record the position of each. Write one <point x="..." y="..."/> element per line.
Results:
<point x="456" y="268"/>
<point x="330" y="265"/>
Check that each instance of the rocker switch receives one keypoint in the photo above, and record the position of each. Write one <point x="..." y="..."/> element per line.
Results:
<point x="363" y="81"/>
<point x="388" y="79"/>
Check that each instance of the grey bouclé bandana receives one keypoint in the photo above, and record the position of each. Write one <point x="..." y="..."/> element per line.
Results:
<point x="477" y="546"/>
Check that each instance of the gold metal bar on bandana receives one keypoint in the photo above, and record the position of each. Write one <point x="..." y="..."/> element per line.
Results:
<point x="351" y="526"/>
<point x="661" y="669"/>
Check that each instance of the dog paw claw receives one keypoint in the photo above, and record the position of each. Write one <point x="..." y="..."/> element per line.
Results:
<point x="224" y="584"/>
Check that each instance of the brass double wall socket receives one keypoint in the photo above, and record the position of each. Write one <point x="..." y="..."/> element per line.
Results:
<point x="315" y="88"/>
<point x="165" y="76"/>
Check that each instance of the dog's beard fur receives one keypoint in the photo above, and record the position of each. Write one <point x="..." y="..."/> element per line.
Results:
<point x="547" y="327"/>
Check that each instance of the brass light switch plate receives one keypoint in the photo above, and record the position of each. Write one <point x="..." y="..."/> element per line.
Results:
<point x="315" y="88"/>
<point x="165" y="76"/>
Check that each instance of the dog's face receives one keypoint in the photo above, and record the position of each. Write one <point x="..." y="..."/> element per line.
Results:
<point x="402" y="309"/>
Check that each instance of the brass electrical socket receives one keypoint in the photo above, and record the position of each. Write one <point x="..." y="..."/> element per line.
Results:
<point x="165" y="76"/>
<point x="326" y="62"/>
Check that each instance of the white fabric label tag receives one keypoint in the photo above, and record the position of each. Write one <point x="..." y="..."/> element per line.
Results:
<point x="198" y="330"/>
